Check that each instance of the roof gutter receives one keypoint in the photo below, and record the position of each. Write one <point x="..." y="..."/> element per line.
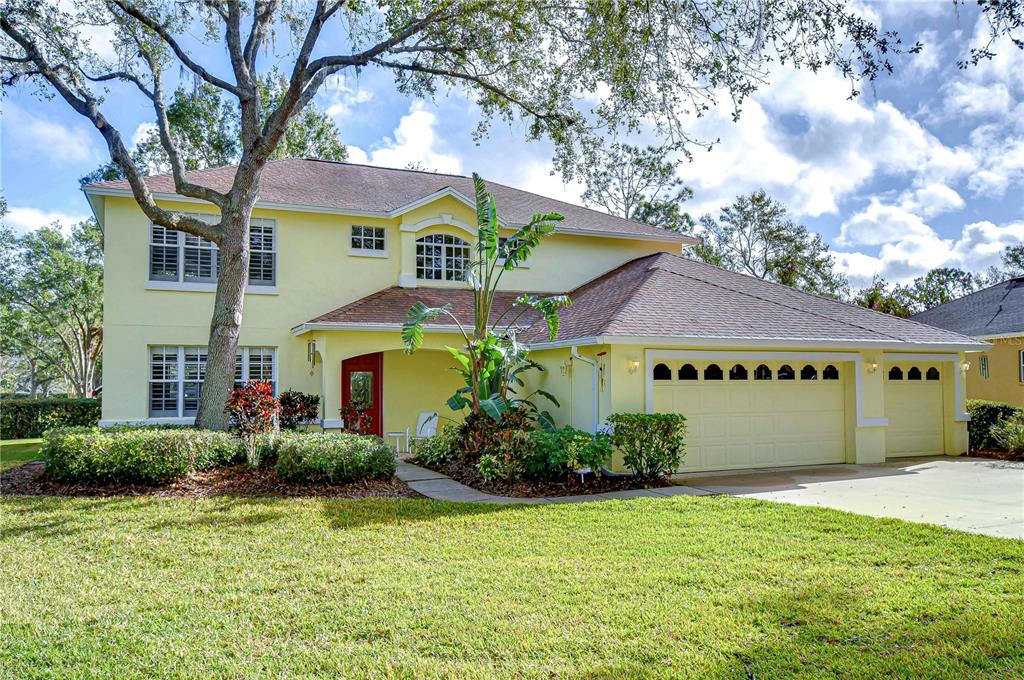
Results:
<point x="761" y="343"/>
<point x="304" y="328"/>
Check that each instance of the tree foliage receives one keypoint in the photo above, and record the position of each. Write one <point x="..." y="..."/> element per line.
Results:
<point x="573" y="72"/>
<point x="755" y="236"/>
<point x="51" y="303"/>
<point x="882" y="297"/>
<point x="638" y="183"/>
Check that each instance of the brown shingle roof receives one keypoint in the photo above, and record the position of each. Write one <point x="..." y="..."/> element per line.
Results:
<point x="669" y="296"/>
<point x="391" y="306"/>
<point x="365" y="188"/>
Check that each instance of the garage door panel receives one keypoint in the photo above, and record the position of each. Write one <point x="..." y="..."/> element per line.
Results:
<point x="740" y="424"/>
<point x="915" y="412"/>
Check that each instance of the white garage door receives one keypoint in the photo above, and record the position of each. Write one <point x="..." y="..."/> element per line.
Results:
<point x="913" y="405"/>
<point x="755" y="414"/>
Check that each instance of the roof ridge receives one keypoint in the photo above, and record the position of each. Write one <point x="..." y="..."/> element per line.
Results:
<point x="973" y="293"/>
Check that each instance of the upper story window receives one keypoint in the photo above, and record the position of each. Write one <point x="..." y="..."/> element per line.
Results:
<point x="368" y="240"/>
<point x="441" y="257"/>
<point x="183" y="258"/>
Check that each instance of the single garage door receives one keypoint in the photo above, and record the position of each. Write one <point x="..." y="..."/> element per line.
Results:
<point x="913" y="405"/>
<point x="755" y="414"/>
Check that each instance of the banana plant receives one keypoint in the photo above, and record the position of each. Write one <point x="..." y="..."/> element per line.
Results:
<point x="492" y="360"/>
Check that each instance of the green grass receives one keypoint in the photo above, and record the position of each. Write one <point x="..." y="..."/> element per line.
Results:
<point x="17" y="451"/>
<point x="701" y="587"/>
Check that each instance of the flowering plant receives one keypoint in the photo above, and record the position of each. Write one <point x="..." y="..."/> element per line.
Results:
<point x="356" y="421"/>
<point x="253" y="410"/>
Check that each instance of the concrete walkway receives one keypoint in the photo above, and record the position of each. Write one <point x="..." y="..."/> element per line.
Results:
<point x="443" y="488"/>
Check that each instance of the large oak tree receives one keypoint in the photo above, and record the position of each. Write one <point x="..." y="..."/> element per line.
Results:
<point x="572" y="71"/>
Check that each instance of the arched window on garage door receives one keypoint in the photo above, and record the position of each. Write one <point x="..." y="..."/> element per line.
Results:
<point x="687" y="372"/>
<point x="895" y="373"/>
<point x="662" y="372"/>
<point x="713" y="372"/>
<point x="914" y="373"/>
<point x="830" y="373"/>
<point x="932" y="374"/>
<point x="738" y="372"/>
<point x="762" y="372"/>
<point x="786" y="372"/>
<point x="808" y="372"/>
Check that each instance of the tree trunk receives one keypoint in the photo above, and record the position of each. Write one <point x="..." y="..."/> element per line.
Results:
<point x="226" y="321"/>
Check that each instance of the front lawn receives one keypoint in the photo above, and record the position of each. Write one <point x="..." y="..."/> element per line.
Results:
<point x="17" y="451"/>
<point x="704" y="587"/>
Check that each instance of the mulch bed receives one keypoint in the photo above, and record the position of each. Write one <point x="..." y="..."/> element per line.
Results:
<point x="998" y="455"/>
<point x="467" y="474"/>
<point x="239" y="480"/>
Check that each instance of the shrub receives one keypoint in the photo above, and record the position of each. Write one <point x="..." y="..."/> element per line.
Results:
<point x="135" y="455"/>
<point x="252" y="408"/>
<point x="652" y="444"/>
<point x="985" y="415"/>
<point x="297" y="408"/>
<point x="27" y="418"/>
<point x="442" y="448"/>
<point x="355" y="421"/>
<point x="504" y="442"/>
<point x="333" y="457"/>
<point x="555" y="455"/>
<point x="1009" y="433"/>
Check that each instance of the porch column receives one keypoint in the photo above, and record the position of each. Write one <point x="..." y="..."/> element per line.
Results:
<point x="869" y="433"/>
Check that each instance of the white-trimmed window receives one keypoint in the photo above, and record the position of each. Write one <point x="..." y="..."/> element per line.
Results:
<point x="176" y="376"/>
<point x="441" y="257"/>
<point x="183" y="258"/>
<point x="368" y="241"/>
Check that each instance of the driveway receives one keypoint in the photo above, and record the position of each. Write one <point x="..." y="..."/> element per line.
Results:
<point x="972" y="494"/>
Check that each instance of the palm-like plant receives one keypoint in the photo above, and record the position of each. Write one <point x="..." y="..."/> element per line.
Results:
<point x="492" y="360"/>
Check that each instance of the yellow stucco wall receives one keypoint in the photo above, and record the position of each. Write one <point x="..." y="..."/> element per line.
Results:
<point x="315" y="274"/>
<point x="1004" y="380"/>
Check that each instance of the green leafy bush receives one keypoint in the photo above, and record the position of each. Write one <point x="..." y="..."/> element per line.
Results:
<point x="1009" y="433"/>
<point x="985" y="415"/>
<point x="504" y="442"/>
<point x="652" y="444"/>
<point x="554" y="455"/>
<point x="27" y="418"/>
<point x="443" y="447"/>
<point x="333" y="457"/>
<point x="135" y="455"/>
<point x="298" y="408"/>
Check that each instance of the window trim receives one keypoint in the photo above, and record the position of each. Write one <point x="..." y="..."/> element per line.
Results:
<point x="367" y="252"/>
<point x="181" y="284"/>
<point x="180" y="350"/>
<point x="1020" y="365"/>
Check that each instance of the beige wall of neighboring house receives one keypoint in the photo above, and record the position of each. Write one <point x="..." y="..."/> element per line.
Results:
<point x="995" y="374"/>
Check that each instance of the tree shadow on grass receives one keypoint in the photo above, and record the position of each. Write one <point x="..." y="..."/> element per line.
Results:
<point x="354" y="514"/>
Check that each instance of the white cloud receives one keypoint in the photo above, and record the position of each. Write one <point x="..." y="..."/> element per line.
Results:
<point x="965" y="98"/>
<point x="26" y="132"/>
<point x="931" y="199"/>
<point x="879" y="224"/>
<point x="342" y="95"/>
<point x="809" y="145"/>
<point x="415" y="141"/>
<point x="142" y="132"/>
<point x="23" y="219"/>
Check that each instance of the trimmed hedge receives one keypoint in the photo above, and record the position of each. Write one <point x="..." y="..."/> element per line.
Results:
<point x="333" y="457"/>
<point x="135" y="455"/>
<point x="28" y="418"/>
<point x="984" y="416"/>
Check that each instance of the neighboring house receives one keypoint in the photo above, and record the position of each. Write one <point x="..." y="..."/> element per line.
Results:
<point x="995" y="315"/>
<point x="765" y="374"/>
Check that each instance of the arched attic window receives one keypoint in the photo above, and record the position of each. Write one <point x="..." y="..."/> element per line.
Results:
<point x="895" y="373"/>
<point x="441" y="257"/>
<point x="662" y="372"/>
<point x="687" y="372"/>
<point x="713" y="372"/>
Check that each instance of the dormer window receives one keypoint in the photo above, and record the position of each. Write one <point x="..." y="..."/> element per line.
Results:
<point x="371" y="241"/>
<point x="441" y="257"/>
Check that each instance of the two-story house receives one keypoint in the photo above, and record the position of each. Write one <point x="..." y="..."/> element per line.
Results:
<point x="765" y="374"/>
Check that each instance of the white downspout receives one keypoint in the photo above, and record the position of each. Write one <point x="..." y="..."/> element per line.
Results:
<point x="593" y="385"/>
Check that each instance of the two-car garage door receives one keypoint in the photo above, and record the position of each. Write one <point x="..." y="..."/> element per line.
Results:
<point x="755" y="414"/>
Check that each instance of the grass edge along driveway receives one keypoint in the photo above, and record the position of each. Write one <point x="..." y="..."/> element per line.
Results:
<point x="700" y="587"/>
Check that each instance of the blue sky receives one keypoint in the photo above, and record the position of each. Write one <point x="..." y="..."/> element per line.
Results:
<point x="924" y="169"/>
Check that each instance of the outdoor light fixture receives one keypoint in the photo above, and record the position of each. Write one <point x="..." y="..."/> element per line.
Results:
<point x="872" y="366"/>
<point x="965" y="366"/>
<point x="633" y="365"/>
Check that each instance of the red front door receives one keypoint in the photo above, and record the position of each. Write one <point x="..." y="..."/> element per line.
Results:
<point x="361" y="379"/>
